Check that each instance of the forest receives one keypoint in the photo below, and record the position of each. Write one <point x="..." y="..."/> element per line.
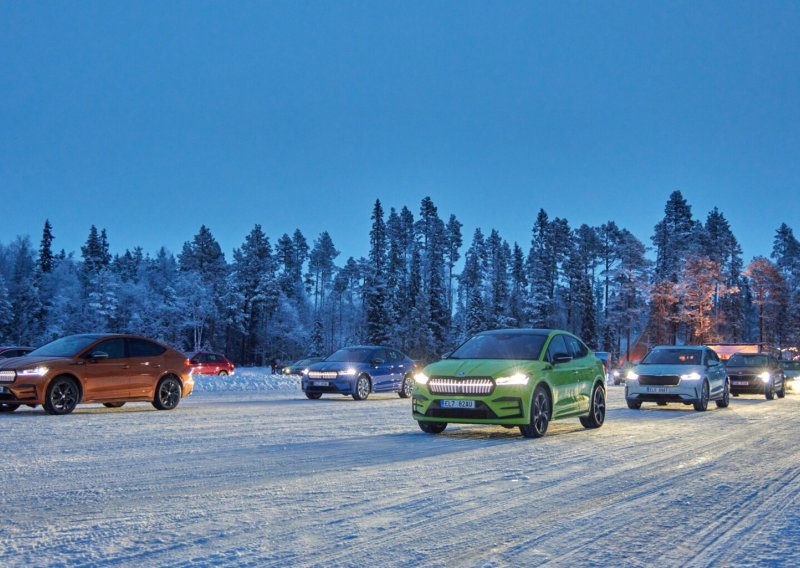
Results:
<point x="424" y="287"/>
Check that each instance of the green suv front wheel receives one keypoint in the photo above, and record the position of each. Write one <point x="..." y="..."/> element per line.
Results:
<point x="540" y="414"/>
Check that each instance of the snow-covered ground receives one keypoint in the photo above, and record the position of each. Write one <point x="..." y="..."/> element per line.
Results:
<point x="270" y="478"/>
<point x="247" y="379"/>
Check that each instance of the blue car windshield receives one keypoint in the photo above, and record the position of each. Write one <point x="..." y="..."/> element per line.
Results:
<point x="673" y="357"/>
<point x="517" y="346"/>
<point x="65" y="347"/>
<point x="351" y="355"/>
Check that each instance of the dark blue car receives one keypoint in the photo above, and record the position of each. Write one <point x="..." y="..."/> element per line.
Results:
<point x="360" y="370"/>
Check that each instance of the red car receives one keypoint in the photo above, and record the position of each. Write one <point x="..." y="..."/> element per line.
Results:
<point x="205" y="363"/>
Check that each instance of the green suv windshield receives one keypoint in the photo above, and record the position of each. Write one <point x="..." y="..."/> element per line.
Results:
<point x="673" y="357"/>
<point x="519" y="346"/>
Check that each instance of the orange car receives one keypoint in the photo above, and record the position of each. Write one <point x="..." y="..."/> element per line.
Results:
<point x="105" y="368"/>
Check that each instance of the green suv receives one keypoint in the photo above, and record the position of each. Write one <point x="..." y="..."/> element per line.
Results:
<point x="512" y="377"/>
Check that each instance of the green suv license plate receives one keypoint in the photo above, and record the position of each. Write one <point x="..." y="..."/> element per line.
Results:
<point x="457" y="404"/>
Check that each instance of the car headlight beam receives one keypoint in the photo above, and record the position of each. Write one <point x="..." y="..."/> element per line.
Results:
<point x="347" y="372"/>
<point x="631" y="376"/>
<point x="765" y="376"/>
<point x="33" y="372"/>
<point x="518" y="379"/>
<point x="693" y="376"/>
<point x="421" y="379"/>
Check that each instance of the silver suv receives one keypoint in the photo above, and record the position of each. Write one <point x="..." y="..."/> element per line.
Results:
<point x="691" y="375"/>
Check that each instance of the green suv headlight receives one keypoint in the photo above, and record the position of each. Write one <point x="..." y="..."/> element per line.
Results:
<point x="421" y="379"/>
<point x="515" y="379"/>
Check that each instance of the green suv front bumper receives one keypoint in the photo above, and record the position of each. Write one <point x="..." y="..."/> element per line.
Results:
<point x="505" y="405"/>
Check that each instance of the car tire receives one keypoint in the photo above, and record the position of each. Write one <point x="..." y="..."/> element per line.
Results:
<point x="168" y="394"/>
<point x="62" y="396"/>
<point x="597" y="409"/>
<point x="539" y="414"/>
<point x="769" y="392"/>
<point x="223" y="373"/>
<point x="406" y="387"/>
<point x="8" y="407"/>
<point x="701" y="405"/>
<point x="113" y="404"/>
<point x="782" y="392"/>
<point x="314" y="395"/>
<point x="725" y="401"/>
<point x="634" y="404"/>
<point x="362" y="388"/>
<point x="432" y="427"/>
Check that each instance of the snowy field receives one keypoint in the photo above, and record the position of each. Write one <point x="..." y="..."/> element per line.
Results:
<point x="255" y="474"/>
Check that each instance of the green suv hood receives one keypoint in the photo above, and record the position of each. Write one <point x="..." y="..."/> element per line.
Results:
<point x="482" y="367"/>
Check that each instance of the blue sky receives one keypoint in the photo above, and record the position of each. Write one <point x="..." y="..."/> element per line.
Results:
<point x="150" y="118"/>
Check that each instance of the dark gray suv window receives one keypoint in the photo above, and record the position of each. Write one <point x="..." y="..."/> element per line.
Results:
<point x="114" y="348"/>
<point x="557" y="345"/>
<point x="142" y="348"/>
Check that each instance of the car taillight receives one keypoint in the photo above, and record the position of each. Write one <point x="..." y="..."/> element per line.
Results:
<point x="187" y="362"/>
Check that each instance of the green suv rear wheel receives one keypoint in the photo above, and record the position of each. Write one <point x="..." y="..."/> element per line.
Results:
<point x="597" y="410"/>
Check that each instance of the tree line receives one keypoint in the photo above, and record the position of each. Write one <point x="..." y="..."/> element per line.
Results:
<point x="295" y="297"/>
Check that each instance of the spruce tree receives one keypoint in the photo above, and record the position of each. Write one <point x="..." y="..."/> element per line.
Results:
<point x="454" y="242"/>
<point x="46" y="249"/>
<point x="375" y="294"/>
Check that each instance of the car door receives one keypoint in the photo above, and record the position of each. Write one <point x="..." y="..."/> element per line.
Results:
<point x="403" y="367"/>
<point x="380" y="369"/>
<point x="106" y="378"/>
<point x="716" y="373"/>
<point x="562" y="377"/>
<point x="202" y="364"/>
<point x="214" y="364"/>
<point x="146" y="367"/>
<point x="397" y="368"/>
<point x="584" y="371"/>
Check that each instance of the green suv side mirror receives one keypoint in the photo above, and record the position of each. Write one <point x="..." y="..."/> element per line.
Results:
<point x="559" y="358"/>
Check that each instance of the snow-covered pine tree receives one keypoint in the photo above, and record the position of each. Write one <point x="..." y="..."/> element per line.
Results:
<point x="472" y="283"/>
<point x="46" y="249"/>
<point x="539" y="264"/>
<point x="454" y="243"/>
<point x="519" y="284"/>
<point x="786" y="253"/>
<point x="375" y="294"/>
<point x="252" y="263"/>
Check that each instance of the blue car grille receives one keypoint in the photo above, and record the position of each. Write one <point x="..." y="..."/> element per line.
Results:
<point x="322" y="375"/>
<point x="458" y="386"/>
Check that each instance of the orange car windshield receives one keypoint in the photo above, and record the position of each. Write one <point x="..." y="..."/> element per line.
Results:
<point x="65" y="347"/>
